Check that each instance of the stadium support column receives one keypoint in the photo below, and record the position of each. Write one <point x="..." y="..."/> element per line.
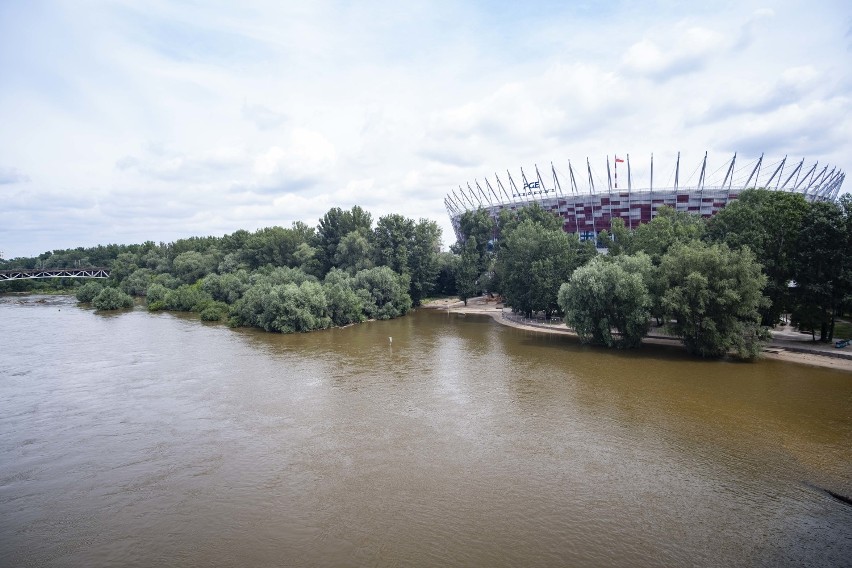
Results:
<point x="651" y="192"/>
<point x="592" y="198"/>
<point x="751" y="175"/>
<point x="729" y="176"/>
<point x="780" y="168"/>
<point x="795" y="173"/>
<point x="630" y="197"/>
<point x="543" y="191"/>
<point x="557" y="187"/>
<point x="608" y="177"/>
<point x="677" y="173"/>
<point x="491" y="189"/>
<point x="701" y="186"/>
<point x="503" y="189"/>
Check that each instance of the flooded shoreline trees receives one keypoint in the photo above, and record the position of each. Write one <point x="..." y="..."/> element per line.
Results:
<point x="716" y="283"/>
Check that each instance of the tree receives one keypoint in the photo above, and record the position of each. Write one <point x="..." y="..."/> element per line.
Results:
<point x="393" y="237"/>
<point x="423" y="264"/>
<point x="712" y="298"/>
<point x="112" y="299"/>
<point x="481" y="227"/>
<point x="137" y="283"/>
<point x="822" y="267"/>
<point x="344" y="305"/>
<point x="467" y="271"/>
<point x="769" y="223"/>
<point x="532" y="264"/>
<point x="445" y="280"/>
<point x="191" y="266"/>
<point x="88" y="291"/>
<point x="384" y="293"/>
<point x="228" y="287"/>
<point x="510" y="219"/>
<point x="354" y="252"/>
<point x="620" y="238"/>
<point x="608" y="294"/>
<point x="666" y="229"/>
<point x="335" y="225"/>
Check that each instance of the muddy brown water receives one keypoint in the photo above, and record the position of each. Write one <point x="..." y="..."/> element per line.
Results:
<point x="139" y="439"/>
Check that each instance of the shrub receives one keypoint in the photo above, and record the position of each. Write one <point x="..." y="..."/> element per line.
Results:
<point x="88" y="291"/>
<point x="112" y="299"/>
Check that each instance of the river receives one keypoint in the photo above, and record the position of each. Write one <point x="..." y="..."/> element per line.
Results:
<point x="137" y="439"/>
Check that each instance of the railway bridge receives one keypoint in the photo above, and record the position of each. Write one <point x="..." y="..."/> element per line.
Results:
<point x="32" y="273"/>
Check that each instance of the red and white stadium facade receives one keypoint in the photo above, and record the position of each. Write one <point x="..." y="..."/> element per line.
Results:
<point x="588" y="210"/>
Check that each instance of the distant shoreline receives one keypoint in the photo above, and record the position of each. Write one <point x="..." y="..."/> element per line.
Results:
<point x="778" y="350"/>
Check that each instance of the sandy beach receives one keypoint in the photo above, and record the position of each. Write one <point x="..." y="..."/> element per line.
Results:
<point x="786" y="344"/>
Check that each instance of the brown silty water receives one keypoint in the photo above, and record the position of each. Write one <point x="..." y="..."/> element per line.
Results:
<point x="142" y="439"/>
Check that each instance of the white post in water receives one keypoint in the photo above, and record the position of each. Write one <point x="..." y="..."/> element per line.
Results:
<point x="390" y="339"/>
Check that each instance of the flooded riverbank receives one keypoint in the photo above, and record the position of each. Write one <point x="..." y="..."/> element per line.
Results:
<point x="141" y="439"/>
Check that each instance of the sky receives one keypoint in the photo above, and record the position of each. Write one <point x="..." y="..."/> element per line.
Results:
<point x="123" y="122"/>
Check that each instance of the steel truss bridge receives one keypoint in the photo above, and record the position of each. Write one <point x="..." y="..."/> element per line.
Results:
<point x="32" y="273"/>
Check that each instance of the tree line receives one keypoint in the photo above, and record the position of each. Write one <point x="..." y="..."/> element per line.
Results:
<point x="345" y="270"/>
<point x="718" y="284"/>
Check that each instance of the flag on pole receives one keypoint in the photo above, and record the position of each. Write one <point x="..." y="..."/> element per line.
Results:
<point x="617" y="159"/>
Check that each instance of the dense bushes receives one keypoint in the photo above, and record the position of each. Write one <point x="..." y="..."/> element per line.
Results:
<point x="112" y="299"/>
<point x="87" y="292"/>
<point x="291" y="301"/>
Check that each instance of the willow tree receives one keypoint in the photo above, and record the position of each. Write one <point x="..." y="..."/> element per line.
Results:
<point x="607" y="302"/>
<point x="712" y="299"/>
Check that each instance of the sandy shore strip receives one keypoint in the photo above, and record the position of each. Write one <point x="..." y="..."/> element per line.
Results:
<point x="777" y="349"/>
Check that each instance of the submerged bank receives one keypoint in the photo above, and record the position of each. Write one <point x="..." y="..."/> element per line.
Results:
<point x="784" y="346"/>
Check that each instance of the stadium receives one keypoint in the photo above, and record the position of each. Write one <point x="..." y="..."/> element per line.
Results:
<point x="589" y="207"/>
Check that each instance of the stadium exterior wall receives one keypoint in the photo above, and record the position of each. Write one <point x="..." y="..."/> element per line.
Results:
<point x="588" y="213"/>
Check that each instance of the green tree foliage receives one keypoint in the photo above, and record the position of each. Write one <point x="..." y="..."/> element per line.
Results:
<point x="186" y="298"/>
<point x="344" y="304"/>
<point x="214" y="311"/>
<point x="666" y="229"/>
<point x="445" y="280"/>
<point x="823" y="267"/>
<point x="619" y="238"/>
<point x="354" y="252"/>
<point x="155" y="296"/>
<point x="112" y="299"/>
<point x="467" y="271"/>
<point x="533" y="262"/>
<point x="510" y="219"/>
<point x="335" y="225"/>
<point x="137" y="283"/>
<point x="226" y="288"/>
<point x="285" y="308"/>
<point x="606" y="295"/>
<point x="88" y="291"/>
<point x="393" y="238"/>
<point x="190" y="266"/>
<point x="306" y="259"/>
<point x="384" y="292"/>
<point x="423" y="262"/>
<point x="275" y="245"/>
<point x="124" y="264"/>
<point x="481" y="227"/>
<point x="712" y="298"/>
<point x="769" y="223"/>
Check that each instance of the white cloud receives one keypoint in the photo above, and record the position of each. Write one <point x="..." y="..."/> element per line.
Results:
<point x="304" y="161"/>
<point x="178" y="120"/>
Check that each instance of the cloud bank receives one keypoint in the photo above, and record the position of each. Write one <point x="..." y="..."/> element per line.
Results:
<point x="127" y="122"/>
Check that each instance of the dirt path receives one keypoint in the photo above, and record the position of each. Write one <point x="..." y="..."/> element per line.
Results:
<point x="784" y="346"/>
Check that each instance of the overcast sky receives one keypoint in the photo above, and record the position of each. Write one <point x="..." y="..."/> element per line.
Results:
<point x="122" y="122"/>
